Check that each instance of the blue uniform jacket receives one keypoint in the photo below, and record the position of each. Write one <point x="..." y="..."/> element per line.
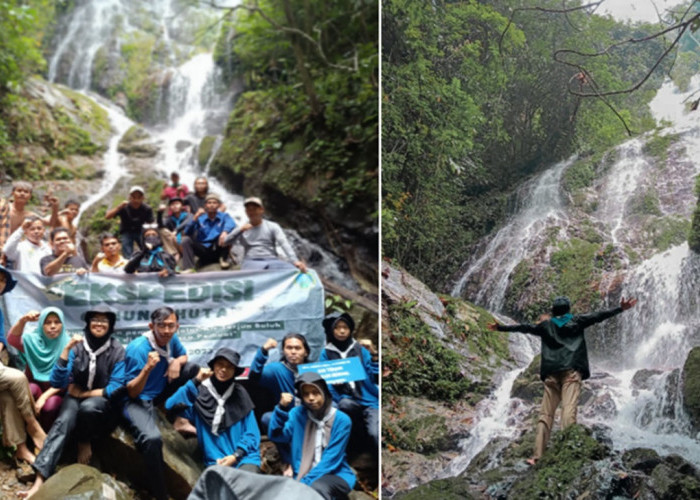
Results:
<point x="243" y="435"/>
<point x="273" y="376"/>
<point x="368" y="386"/>
<point x="109" y="374"/>
<point x="289" y="426"/>
<point x="206" y="230"/>
<point x="136" y="357"/>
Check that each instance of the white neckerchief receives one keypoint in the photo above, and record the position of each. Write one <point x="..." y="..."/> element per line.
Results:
<point x="163" y="352"/>
<point x="343" y="354"/>
<point x="92" y="368"/>
<point x="320" y="430"/>
<point x="220" y="402"/>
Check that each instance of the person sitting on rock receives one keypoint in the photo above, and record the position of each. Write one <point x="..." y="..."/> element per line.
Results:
<point x="26" y="247"/>
<point x="564" y="362"/>
<point x="41" y="349"/>
<point x="173" y="225"/>
<point x="318" y="434"/>
<point x="260" y="239"/>
<point x="16" y="402"/>
<point x="133" y="214"/>
<point x="91" y="368"/>
<point x="174" y="189"/>
<point x="359" y="400"/>
<point x="222" y="412"/>
<point x="12" y="214"/>
<point x="205" y="236"/>
<point x="64" y="258"/>
<point x="155" y="367"/>
<point x="152" y="259"/>
<point x="110" y="258"/>
<point x="278" y="376"/>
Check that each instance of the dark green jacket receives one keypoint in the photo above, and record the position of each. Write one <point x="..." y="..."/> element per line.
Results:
<point x="563" y="347"/>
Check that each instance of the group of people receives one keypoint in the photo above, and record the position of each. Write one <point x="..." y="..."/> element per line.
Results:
<point x="190" y="231"/>
<point x="76" y="389"/>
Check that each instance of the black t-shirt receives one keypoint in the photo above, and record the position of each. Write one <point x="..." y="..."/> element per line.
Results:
<point x="195" y="202"/>
<point x="70" y="265"/>
<point x="132" y="219"/>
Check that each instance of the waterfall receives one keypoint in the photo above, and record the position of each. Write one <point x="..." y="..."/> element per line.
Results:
<point x="643" y="353"/>
<point x="191" y="100"/>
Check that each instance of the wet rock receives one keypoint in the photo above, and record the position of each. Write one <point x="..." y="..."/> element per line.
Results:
<point x="82" y="482"/>
<point x="641" y="379"/>
<point x="119" y="455"/>
<point x="138" y="142"/>
<point x="641" y="459"/>
<point x="441" y="489"/>
<point x="602" y="406"/>
<point x="691" y="387"/>
<point x="669" y="484"/>
<point x="528" y="385"/>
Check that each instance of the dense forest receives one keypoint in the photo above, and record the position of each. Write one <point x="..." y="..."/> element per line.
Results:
<point x="478" y="96"/>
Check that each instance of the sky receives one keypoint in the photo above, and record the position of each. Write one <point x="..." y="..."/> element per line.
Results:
<point x="637" y="10"/>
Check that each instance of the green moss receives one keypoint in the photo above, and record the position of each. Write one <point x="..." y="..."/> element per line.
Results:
<point x="206" y="146"/>
<point x="665" y="232"/>
<point x="580" y="174"/>
<point x="569" y="451"/>
<point x="457" y="488"/>
<point x="575" y="268"/>
<point x="646" y="203"/>
<point x="658" y="145"/>
<point x="425" y="435"/>
<point x="694" y="232"/>
<point x="691" y="386"/>
<point x="419" y="363"/>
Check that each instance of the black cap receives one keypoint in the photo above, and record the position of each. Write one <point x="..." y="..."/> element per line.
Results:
<point x="175" y="198"/>
<point x="10" y="282"/>
<point x="561" y="306"/>
<point x="229" y="355"/>
<point x="102" y="309"/>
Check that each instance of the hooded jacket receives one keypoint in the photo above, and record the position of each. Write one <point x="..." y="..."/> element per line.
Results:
<point x="563" y="342"/>
<point x="289" y="426"/>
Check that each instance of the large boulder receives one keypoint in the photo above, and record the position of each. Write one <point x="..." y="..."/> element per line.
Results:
<point x="82" y="482"/>
<point x="118" y="455"/>
<point x="137" y="142"/>
<point x="691" y="387"/>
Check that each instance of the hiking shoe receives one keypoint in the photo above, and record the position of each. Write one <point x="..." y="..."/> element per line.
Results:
<point x="224" y="263"/>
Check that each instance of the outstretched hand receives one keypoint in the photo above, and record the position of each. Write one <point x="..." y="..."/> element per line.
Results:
<point x="627" y="304"/>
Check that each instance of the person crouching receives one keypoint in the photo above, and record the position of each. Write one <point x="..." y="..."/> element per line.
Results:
<point x="318" y="434"/>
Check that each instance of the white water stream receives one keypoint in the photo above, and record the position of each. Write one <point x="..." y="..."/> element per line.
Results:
<point x="655" y="335"/>
<point x="195" y="104"/>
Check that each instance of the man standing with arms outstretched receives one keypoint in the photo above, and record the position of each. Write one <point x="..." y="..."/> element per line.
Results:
<point x="564" y="362"/>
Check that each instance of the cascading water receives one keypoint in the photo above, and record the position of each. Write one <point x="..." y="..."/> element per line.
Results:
<point x="192" y="100"/>
<point x="643" y="354"/>
<point x="542" y="208"/>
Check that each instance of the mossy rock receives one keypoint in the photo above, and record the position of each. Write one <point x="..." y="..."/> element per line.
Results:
<point x="691" y="387"/>
<point x="426" y="434"/>
<point x="456" y="488"/>
<point x="206" y="146"/>
<point x="569" y="452"/>
<point x="642" y="459"/>
<point x="669" y="484"/>
<point x="528" y="385"/>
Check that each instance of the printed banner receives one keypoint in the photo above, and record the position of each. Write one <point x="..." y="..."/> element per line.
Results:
<point x="236" y="309"/>
<point x="337" y="371"/>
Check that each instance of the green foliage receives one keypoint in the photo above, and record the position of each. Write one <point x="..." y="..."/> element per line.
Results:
<point x="21" y="27"/>
<point x="657" y="147"/>
<point x="420" y="364"/>
<point x="645" y="203"/>
<point x="308" y="125"/>
<point x="425" y="435"/>
<point x="336" y="303"/>
<point x="575" y="268"/>
<point x="694" y="233"/>
<point x="668" y="231"/>
<point x="471" y="109"/>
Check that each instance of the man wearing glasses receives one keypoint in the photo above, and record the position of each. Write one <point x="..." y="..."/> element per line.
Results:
<point x="155" y="365"/>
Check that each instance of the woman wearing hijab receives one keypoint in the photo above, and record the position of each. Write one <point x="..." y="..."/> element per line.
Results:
<point x="318" y="434"/>
<point x="16" y="403"/>
<point x="91" y="367"/>
<point x="360" y="400"/>
<point x="41" y="349"/>
<point x="222" y="412"/>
